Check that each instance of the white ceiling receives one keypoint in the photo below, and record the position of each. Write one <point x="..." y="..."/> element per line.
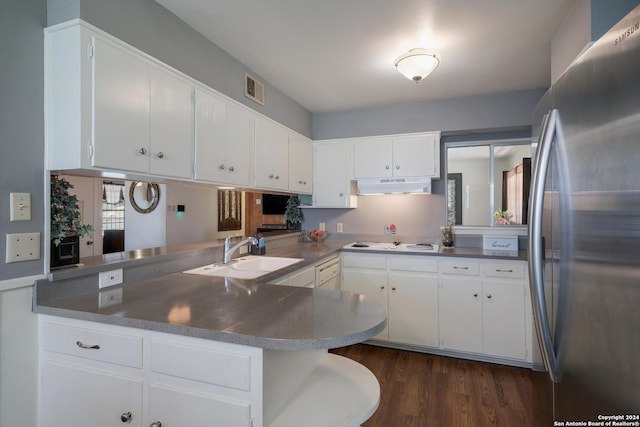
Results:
<point x="331" y="55"/>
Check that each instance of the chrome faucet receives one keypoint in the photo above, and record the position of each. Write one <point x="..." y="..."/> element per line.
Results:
<point x="229" y="250"/>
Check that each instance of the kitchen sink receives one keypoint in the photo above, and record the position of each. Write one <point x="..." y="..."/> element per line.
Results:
<point x="248" y="267"/>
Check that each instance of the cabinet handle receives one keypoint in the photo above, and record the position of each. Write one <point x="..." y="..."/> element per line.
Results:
<point x="503" y="271"/>
<point x="393" y="288"/>
<point x="271" y="176"/>
<point x="300" y="182"/>
<point x="489" y="296"/>
<point x="397" y="167"/>
<point x="475" y="295"/>
<point x="231" y="169"/>
<point x="89" y="242"/>
<point x="341" y="194"/>
<point x="221" y="167"/>
<point x="156" y="424"/>
<point x="460" y="268"/>
<point x="382" y="287"/>
<point x="126" y="417"/>
<point x="160" y="155"/>
<point x="143" y="151"/>
<point x="277" y="176"/>
<point x="304" y="182"/>
<point x="86" y="346"/>
<point x="387" y="167"/>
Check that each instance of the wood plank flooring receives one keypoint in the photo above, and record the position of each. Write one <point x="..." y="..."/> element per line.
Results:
<point x="422" y="390"/>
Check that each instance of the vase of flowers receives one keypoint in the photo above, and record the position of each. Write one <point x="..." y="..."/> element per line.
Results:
<point x="502" y="217"/>
<point x="447" y="236"/>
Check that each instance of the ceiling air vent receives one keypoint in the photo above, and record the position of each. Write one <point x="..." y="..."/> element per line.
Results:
<point x="253" y="89"/>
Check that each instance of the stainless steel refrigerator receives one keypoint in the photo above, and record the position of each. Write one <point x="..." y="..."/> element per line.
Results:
<point x="584" y="234"/>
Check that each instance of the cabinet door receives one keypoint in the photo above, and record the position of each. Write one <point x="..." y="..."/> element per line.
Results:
<point x="211" y="137"/>
<point x="272" y="155"/>
<point x="78" y="397"/>
<point x="121" y="109"/>
<point x="300" y="164"/>
<point x="171" y="125"/>
<point x="239" y="141"/>
<point x="372" y="284"/>
<point x="332" y="176"/>
<point x="373" y="159"/>
<point x="413" y="309"/>
<point x="461" y="314"/>
<point x="504" y="318"/>
<point x="180" y="407"/>
<point x="416" y="156"/>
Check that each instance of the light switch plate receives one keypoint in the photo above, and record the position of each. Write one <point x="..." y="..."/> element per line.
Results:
<point x="22" y="247"/>
<point x="20" y="206"/>
<point x="110" y="278"/>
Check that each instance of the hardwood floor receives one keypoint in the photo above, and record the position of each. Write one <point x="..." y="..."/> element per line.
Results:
<point x="423" y="390"/>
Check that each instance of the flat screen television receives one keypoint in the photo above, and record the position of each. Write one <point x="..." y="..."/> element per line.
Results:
<point x="274" y="204"/>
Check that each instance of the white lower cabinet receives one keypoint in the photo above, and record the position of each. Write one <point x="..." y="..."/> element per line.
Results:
<point x="77" y="396"/>
<point x="94" y="374"/>
<point x="476" y="307"/>
<point x="406" y="285"/>
<point x="482" y="307"/>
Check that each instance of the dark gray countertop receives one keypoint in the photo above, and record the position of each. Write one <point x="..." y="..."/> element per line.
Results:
<point x="247" y="312"/>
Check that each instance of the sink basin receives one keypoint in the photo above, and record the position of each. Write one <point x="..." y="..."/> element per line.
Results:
<point x="248" y="267"/>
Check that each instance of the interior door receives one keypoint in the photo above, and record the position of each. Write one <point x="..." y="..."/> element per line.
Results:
<point x="87" y="191"/>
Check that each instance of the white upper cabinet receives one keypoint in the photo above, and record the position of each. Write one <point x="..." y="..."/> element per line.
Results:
<point x="401" y="156"/>
<point x="170" y="125"/>
<point x="300" y="164"/>
<point x="120" y="102"/>
<point x="333" y="170"/>
<point x="224" y="141"/>
<point x="110" y="107"/>
<point x="272" y="155"/>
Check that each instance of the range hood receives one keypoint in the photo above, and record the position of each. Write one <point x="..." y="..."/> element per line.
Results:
<point x="394" y="185"/>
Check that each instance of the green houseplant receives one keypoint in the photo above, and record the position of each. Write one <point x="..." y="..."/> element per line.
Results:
<point x="293" y="214"/>
<point x="66" y="228"/>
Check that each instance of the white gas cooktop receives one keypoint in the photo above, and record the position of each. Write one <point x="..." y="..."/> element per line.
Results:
<point x="395" y="246"/>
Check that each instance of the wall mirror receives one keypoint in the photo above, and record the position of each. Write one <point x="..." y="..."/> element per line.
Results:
<point x="488" y="176"/>
<point x="144" y="196"/>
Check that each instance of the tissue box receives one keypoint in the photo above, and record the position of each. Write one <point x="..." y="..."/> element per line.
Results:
<point x="500" y="243"/>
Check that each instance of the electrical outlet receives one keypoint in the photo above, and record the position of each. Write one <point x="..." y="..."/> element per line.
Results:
<point x="339" y="228"/>
<point x="387" y="230"/>
<point x="323" y="226"/>
<point x="110" y="297"/>
<point x="22" y="247"/>
<point x="110" y="278"/>
<point x="20" y="207"/>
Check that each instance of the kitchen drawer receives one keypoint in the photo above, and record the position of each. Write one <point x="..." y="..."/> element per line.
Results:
<point x="515" y="270"/>
<point x="305" y="278"/>
<point x="376" y="262"/>
<point x="413" y="263"/>
<point x="463" y="267"/>
<point x="125" y="350"/>
<point x="202" y="364"/>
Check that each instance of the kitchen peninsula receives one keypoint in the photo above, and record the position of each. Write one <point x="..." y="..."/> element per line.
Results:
<point x="180" y="349"/>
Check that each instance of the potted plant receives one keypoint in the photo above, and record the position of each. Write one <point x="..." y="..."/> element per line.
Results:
<point x="66" y="228"/>
<point x="293" y="214"/>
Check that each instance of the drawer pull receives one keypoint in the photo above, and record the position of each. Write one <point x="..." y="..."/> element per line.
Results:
<point x="126" y="417"/>
<point x="156" y="424"/>
<point x="455" y="267"/>
<point x="503" y="271"/>
<point x="88" y="347"/>
<point x="489" y="296"/>
<point x="475" y="295"/>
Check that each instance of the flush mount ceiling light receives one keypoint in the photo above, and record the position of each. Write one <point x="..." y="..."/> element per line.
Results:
<point x="417" y="64"/>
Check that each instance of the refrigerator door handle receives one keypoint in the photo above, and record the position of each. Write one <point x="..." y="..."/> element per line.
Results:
<point x="536" y="249"/>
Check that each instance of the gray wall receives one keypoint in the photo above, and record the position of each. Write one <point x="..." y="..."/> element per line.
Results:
<point x="605" y="13"/>
<point x="21" y="122"/>
<point x="153" y="29"/>
<point x="501" y="110"/>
